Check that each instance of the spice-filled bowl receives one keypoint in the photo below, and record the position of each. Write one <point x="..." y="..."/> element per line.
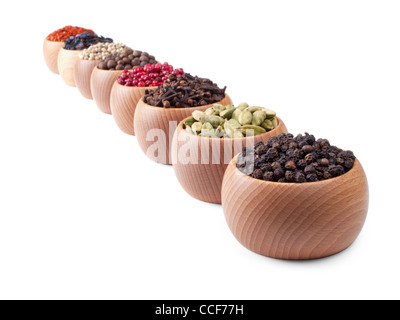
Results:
<point x="82" y="73"/>
<point x="201" y="155"/>
<point x="320" y="212"/>
<point x="130" y="87"/>
<point x="73" y="48"/>
<point x="55" y="41"/>
<point x="50" y="52"/>
<point x="88" y="60"/>
<point x="155" y="123"/>
<point x="66" y="64"/>
<point x="108" y="70"/>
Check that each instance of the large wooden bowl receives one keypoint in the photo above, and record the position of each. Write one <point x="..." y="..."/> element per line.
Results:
<point x="66" y="64"/>
<point x="202" y="172"/>
<point x="297" y="221"/>
<point x="82" y="73"/>
<point x="153" y="130"/>
<point x="101" y="83"/>
<point x="123" y="105"/>
<point x="50" y="52"/>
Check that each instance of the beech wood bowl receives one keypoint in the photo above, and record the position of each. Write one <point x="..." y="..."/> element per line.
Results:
<point x="202" y="176"/>
<point x="82" y="73"/>
<point x="101" y="83"/>
<point x="50" y="52"/>
<point x="149" y="121"/>
<point x="66" y="64"/>
<point x="123" y="103"/>
<point x="297" y="221"/>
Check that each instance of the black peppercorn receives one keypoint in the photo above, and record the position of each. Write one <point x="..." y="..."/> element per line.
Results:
<point x="286" y="158"/>
<point x="268" y="176"/>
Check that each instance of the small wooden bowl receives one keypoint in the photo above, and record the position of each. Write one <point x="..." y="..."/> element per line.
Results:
<point x="297" y="221"/>
<point x="151" y="120"/>
<point x="66" y="64"/>
<point x="82" y="73"/>
<point x="123" y="103"/>
<point x="101" y="83"/>
<point x="50" y="52"/>
<point x="202" y="176"/>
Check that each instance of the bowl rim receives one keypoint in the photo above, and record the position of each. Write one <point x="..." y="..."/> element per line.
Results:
<point x="194" y="108"/>
<point x="87" y="60"/>
<point x="97" y="67"/>
<point x="71" y="50"/>
<point x="134" y="87"/>
<point x="180" y="126"/>
<point x="59" y="42"/>
<point x="356" y="165"/>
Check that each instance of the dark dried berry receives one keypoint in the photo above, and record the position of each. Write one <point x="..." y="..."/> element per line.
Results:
<point x="301" y="164"/>
<point x="309" y="158"/>
<point x="299" y="177"/>
<point x="290" y="165"/>
<point x="324" y="162"/>
<point x="276" y="165"/>
<point x="258" y="174"/>
<point x="348" y="164"/>
<point x="307" y="149"/>
<point x="289" y="176"/>
<point x="309" y="169"/>
<point x="268" y="176"/>
<point x="279" y="173"/>
<point x="286" y="158"/>
<point x="272" y="154"/>
<point x="336" y="170"/>
<point x="312" y="177"/>
<point x="261" y="149"/>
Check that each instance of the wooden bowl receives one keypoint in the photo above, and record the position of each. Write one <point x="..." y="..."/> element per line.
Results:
<point x="101" y="83"/>
<point x="297" y="221"/>
<point x="82" y="73"/>
<point x="123" y="103"/>
<point x="153" y="131"/>
<point x="50" y="52"/>
<point x="66" y="64"/>
<point x="201" y="177"/>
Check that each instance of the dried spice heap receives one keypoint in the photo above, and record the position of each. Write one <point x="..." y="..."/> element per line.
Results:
<point x="286" y="158"/>
<point x="83" y="41"/>
<point x="228" y="121"/>
<point x="127" y="59"/>
<point x="184" y="92"/>
<point x="101" y="51"/>
<point x="63" y="34"/>
<point x="151" y="75"/>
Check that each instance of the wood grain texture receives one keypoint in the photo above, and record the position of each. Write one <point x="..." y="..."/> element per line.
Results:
<point x="66" y="64"/>
<point x="101" y="83"/>
<point x="50" y="52"/>
<point x="148" y="118"/>
<point x="202" y="176"/>
<point x="123" y="103"/>
<point x="82" y="73"/>
<point x="297" y="221"/>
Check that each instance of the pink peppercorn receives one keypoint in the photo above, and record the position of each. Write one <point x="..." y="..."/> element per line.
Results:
<point x="149" y="75"/>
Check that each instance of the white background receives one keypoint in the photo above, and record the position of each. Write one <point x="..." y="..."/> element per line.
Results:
<point x="85" y="215"/>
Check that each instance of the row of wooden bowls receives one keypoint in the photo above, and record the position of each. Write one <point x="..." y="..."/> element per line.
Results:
<point x="280" y="220"/>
